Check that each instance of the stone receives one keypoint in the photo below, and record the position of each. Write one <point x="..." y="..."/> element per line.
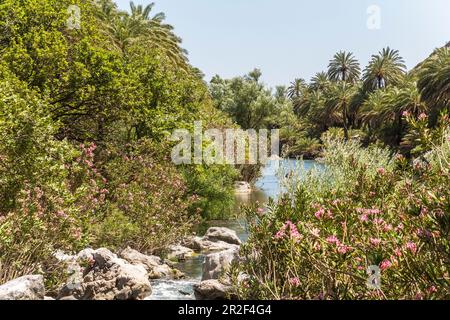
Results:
<point x="135" y="257"/>
<point x="211" y="290"/>
<point x="216" y="264"/>
<point x="210" y="246"/>
<point x="193" y="243"/>
<point x="29" y="287"/>
<point x="109" y="278"/>
<point x="69" y="298"/>
<point x="179" y="253"/>
<point x="154" y="266"/>
<point x="222" y="234"/>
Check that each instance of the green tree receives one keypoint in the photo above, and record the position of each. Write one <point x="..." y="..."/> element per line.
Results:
<point x="384" y="69"/>
<point x="344" y="67"/>
<point x="339" y="98"/>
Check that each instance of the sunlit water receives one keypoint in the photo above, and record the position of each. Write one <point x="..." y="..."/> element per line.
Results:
<point x="268" y="186"/>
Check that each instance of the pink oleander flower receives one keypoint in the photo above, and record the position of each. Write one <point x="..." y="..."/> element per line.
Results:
<point x="293" y="231"/>
<point x="381" y="171"/>
<point x="375" y="242"/>
<point x="260" y="210"/>
<point x="398" y="252"/>
<point x="343" y="249"/>
<point x="320" y="213"/>
<point x="405" y="113"/>
<point x="295" y="282"/>
<point x="364" y="218"/>
<point x="411" y="246"/>
<point x="386" y="264"/>
<point x="360" y="268"/>
<point x="333" y="240"/>
<point x="432" y="289"/>
<point x="423" y="116"/>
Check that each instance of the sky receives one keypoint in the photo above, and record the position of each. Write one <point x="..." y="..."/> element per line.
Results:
<point x="290" y="39"/>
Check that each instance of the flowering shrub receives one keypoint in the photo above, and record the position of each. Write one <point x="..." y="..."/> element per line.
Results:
<point x="148" y="206"/>
<point x="48" y="194"/>
<point x="366" y="209"/>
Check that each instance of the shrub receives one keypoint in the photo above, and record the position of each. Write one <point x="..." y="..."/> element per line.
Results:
<point x="148" y="196"/>
<point x="48" y="194"/>
<point x="366" y="209"/>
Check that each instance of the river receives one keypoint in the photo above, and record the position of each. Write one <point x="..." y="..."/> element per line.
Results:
<point x="268" y="186"/>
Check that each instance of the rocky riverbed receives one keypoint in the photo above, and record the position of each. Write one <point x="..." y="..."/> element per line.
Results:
<point x="130" y="275"/>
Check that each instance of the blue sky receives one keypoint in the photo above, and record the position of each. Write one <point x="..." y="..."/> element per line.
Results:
<point x="296" y="38"/>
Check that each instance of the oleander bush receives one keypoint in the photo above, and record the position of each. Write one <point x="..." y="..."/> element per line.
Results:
<point x="367" y="208"/>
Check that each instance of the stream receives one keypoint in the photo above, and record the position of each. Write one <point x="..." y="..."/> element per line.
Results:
<point x="268" y="186"/>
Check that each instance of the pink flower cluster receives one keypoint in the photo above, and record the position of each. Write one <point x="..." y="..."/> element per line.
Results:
<point x="342" y="248"/>
<point x="386" y="264"/>
<point x="292" y="229"/>
<point x="365" y="213"/>
<point x="295" y="282"/>
<point x="321" y="213"/>
<point x="411" y="246"/>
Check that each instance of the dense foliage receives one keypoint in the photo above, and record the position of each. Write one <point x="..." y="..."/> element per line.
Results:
<point x="367" y="208"/>
<point x="367" y="105"/>
<point x="85" y="116"/>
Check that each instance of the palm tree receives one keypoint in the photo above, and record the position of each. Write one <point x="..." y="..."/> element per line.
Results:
<point x="320" y="81"/>
<point x="295" y="89"/>
<point x="372" y="109"/>
<point x="140" y="27"/>
<point x="344" y="67"/>
<point x="385" y="68"/>
<point x="387" y="107"/>
<point x="434" y="80"/>
<point x="339" y="99"/>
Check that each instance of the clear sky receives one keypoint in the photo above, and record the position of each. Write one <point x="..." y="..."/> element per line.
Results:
<point x="297" y="38"/>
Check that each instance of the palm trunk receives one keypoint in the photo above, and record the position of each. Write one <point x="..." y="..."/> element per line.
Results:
<point x="345" y="123"/>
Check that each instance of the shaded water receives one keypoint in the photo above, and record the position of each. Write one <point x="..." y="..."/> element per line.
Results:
<point x="268" y="186"/>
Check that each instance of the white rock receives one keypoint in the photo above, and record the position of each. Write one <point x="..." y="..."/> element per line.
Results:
<point x="211" y="290"/>
<point x="222" y="234"/>
<point x="179" y="252"/>
<point x="24" y="288"/>
<point x="216" y="264"/>
<point x="110" y="278"/>
<point x="135" y="257"/>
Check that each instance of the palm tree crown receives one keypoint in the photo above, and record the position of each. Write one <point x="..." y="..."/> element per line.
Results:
<point x="385" y="68"/>
<point x="344" y="67"/>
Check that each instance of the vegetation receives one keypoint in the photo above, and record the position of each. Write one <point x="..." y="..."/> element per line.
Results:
<point x="368" y="105"/>
<point x="367" y="208"/>
<point x="85" y="114"/>
<point x="85" y="119"/>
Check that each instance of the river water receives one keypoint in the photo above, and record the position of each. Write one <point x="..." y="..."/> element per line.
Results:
<point x="268" y="186"/>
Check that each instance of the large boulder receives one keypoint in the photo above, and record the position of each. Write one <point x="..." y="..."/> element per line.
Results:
<point x="211" y="290"/>
<point x="194" y="243"/>
<point x="222" y="234"/>
<point x="109" y="278"/>
<point x="179" y="253"/>
<point x="135" y="257"/>
<point x="154" y="266"/>
<point x="24" y="288"/>
<point x="202" y="245"/>
<point x="216" y="264"/>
